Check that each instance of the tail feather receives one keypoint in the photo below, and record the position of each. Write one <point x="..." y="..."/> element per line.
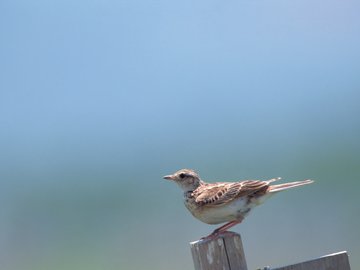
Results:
<point x="273" y="180"/>
<point x="281" y="187"/>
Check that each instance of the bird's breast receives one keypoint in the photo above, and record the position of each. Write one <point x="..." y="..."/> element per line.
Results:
<point x="215" y="214"/>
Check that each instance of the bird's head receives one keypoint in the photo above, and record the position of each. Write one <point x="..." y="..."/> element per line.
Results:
<point x="187" y="179"/>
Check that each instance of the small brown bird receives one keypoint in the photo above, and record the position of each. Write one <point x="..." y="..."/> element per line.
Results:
<point x="220" y="202"/>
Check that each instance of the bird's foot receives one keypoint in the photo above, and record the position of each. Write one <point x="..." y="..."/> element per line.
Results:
<point x="221" y="229"/>
<point x="214" y="234"/>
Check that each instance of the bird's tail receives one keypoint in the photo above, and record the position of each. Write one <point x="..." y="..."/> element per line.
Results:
<point x="281" y="187"/>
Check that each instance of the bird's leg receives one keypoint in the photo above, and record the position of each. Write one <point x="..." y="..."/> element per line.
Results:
<point x="224" y="228"/>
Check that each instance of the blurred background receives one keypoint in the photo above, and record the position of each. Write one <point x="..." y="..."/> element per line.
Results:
<point x="100" y="99"/>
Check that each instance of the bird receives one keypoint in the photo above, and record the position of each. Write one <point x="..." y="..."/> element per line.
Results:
<point x="220" y="202"/>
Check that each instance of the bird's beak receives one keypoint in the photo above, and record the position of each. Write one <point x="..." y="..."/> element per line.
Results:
<point x="169" y="177"/>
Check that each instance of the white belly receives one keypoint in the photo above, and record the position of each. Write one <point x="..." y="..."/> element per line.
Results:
<point x="223" y="213"/>
<point x="234" y="210"/>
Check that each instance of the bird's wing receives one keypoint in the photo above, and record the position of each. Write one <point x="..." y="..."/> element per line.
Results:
<point x="221" y="193"/>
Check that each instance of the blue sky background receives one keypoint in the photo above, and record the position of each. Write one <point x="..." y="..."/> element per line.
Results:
<point x="100" y="99"/>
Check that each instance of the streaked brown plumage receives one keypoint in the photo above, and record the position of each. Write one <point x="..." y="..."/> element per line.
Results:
<point x="215" y="203"/>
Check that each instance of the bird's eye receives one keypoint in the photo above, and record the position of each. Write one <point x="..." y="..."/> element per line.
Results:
<point x="182" y="175"/>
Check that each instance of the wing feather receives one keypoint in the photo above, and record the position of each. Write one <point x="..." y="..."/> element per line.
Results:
<point x="221" y="193"/>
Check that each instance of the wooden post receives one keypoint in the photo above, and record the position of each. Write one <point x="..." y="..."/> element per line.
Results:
<point x="336" y="261"/>
<point x="224" y="251"/>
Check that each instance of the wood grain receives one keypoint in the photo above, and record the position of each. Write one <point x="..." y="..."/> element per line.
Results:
<point x="224" y="251"/>
<point x="336" y="261"/>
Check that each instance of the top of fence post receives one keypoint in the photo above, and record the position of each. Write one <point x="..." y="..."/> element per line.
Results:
<point x="225" y="251"/>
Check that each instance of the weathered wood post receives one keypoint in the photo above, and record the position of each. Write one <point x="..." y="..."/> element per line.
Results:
<point x="225" y="251"/>
<point x="336" y="261"/>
